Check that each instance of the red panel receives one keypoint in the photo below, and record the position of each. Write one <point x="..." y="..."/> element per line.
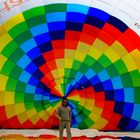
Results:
<point x="133" y="37"/>
<point x="108" y="39"/>
<point x="106" y="114"/>
<point x="48" y="56"/>
<point x="27" y="124"/>
<point x="3" y="116"/>
<point x="52" y="65"/>
<point x="99" y="103"/>
<point x="14" y="122"/>
<point x="100" y="96"/>
<point x="109" y="105"/>
<point x="58" y="44"/>
<point x="58" y="53"/>
<point x="72" y="35"/>
<point x="39" y="124"/>
<point x="44" y="69"/>
<point x="70" y="44"/>
<point x="111" y="30"/>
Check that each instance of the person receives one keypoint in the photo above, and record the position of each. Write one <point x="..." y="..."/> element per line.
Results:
<point x="65" y="116"/>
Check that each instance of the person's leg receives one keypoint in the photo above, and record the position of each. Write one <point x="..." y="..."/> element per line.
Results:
<point x="68" y="131"/>
<point x="61" y="129"/>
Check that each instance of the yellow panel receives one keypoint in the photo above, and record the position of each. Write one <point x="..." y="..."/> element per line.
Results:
<point x="129" y="62"/>
<point x="69" y="53"/>
<point x="136" y="57"/>
<point x="119" y="49"/>
<point x="9" y="98"/>
<point x="4" y="40"/>
<point x="61" y="72"/>
<point x="2" y="31"/>
<point x="10" y="111"/>
<point x="68" y="63"/>
<point x="94" y="117"/>
<point x="35" y="119"/>
<point x="3" y="81"/>
<point x="100" y="123"/>
<point x="31" y="112"/>
<point x="22" y="117"/>
<point x="94" y="53"/>
<point x="79" y="56"/>
<point x="97" y="110"/>
<point x="2" y="61"/>
<point x="100" y="45"/>
<point x="59" y="88"/>
<point x="20" y="108"/>
<point x="60" y="63"/>
<point x="13" y="21"/>
<point x="112" y="55"/>
<point x="55" y="74"/>
<point x="2" y="96"/>
<point x="83" y="47"/>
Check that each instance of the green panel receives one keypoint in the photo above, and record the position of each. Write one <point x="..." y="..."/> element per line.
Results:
<point x="73" y="73"/>
<point x="11" y="85"/>
<point x="19" y="97"/>
<point x="88" y="122"/>
<point x="126" y="79"/>
<point x="38" y="106"/>
<point x="18" y="29"/>
<point x="36" y="21"/>
<point x="112" y="72"/>
<point x="9" y="49"/>
<point x="137" y="95"/>
<point x="135" y="77"/>
<point x="56" y="8"/>
<point x="83" y="68"/>
<point x="104" y="61"/>
<point x="23" y="37"/>
<point x="34" y="12"/>
<point x="28" y="97"/>
<point x="97" y="67"/>
<point x="16" y="55"/>
<point x="46" y="103"/>
<point x="120" y="66"/>
<point x="16" y="72"/>
<point x="7" y="68"/>
<point x="29" y="105"/>
<point x="82" y="125"/>
<point x="89" y="60"/>
<point x="20" y="87"/>
<point x="76" y="65"/>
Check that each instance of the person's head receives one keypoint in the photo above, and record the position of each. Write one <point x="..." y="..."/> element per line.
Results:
<point x="64" y="102"/>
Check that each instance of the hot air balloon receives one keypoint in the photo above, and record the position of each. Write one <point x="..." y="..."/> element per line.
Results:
<point x="88" y="51"/>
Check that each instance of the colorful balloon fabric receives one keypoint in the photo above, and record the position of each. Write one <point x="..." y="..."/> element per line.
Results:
<point x="50" y="49"/>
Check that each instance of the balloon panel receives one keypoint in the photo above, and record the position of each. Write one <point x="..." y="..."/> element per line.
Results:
<point x="78" y="50"/>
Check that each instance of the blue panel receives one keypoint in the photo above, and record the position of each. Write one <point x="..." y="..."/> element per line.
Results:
<point x="75" y="17"/>
<point x="40" y="29"/>
<point x="83" y="80"/>
<point x="28" y="45"/>
<point x="107" y="85"/>
<point x="98" y="14"/>
<point x="129" y="95"/>
<point x="43" y="38"/>
<point x="45" y="47"/>
<point x="90" y="73"/>
<point x="138" y="127"/>
<point x="74" y="26"/>
<point x="119" y="95"/>
<point x="118" y="24"/>
<point x="23" y="62"/>
<point x="117" y="83"/>
<point x="38" y="74"/>
<point x="56" y="16"/>
<point x="56" y="35"/>
<point x="95" y="80"/>
<point x="33" y="81"/>
<point x="78" y="119"/>
<point x="123" y="123"/>
<point x="132" y="125"/>
<point x="34" y="53"/>
<point x="77" y="8"/>
<point x="118" y="108"/>
<point x="78" y="76"/>
<point x="30" y="89"/>
<point x="136" y="111"/>
<point x="24" y="77"/>
<point x="37" y="97"/>
<point x="103" y="75"/>
<point x="57" y="26"/>
<point x="128" y="109"/>
<point x="94" y="22"/>
<point x="98" y="87"/>
<point x="31" y="68"/>
<point x="109" y="95"/>
<point x="39" y="61"/>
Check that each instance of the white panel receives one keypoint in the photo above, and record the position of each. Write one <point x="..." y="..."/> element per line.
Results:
<point x="83" y="2"/>
<point x="28" y="4"/>
<point x="136" y="27"/>
<point x="54" y="1"/>
<point x="110" y="2"/>
<point x="103" y="6"/>
<point x="123" y="17"/>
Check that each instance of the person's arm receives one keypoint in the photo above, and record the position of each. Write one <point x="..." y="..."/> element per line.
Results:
<point x="70" y="113"/>
<point x="58" y="114"/>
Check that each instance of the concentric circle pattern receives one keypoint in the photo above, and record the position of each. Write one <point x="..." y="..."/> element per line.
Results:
<point x="70" y="50"/>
